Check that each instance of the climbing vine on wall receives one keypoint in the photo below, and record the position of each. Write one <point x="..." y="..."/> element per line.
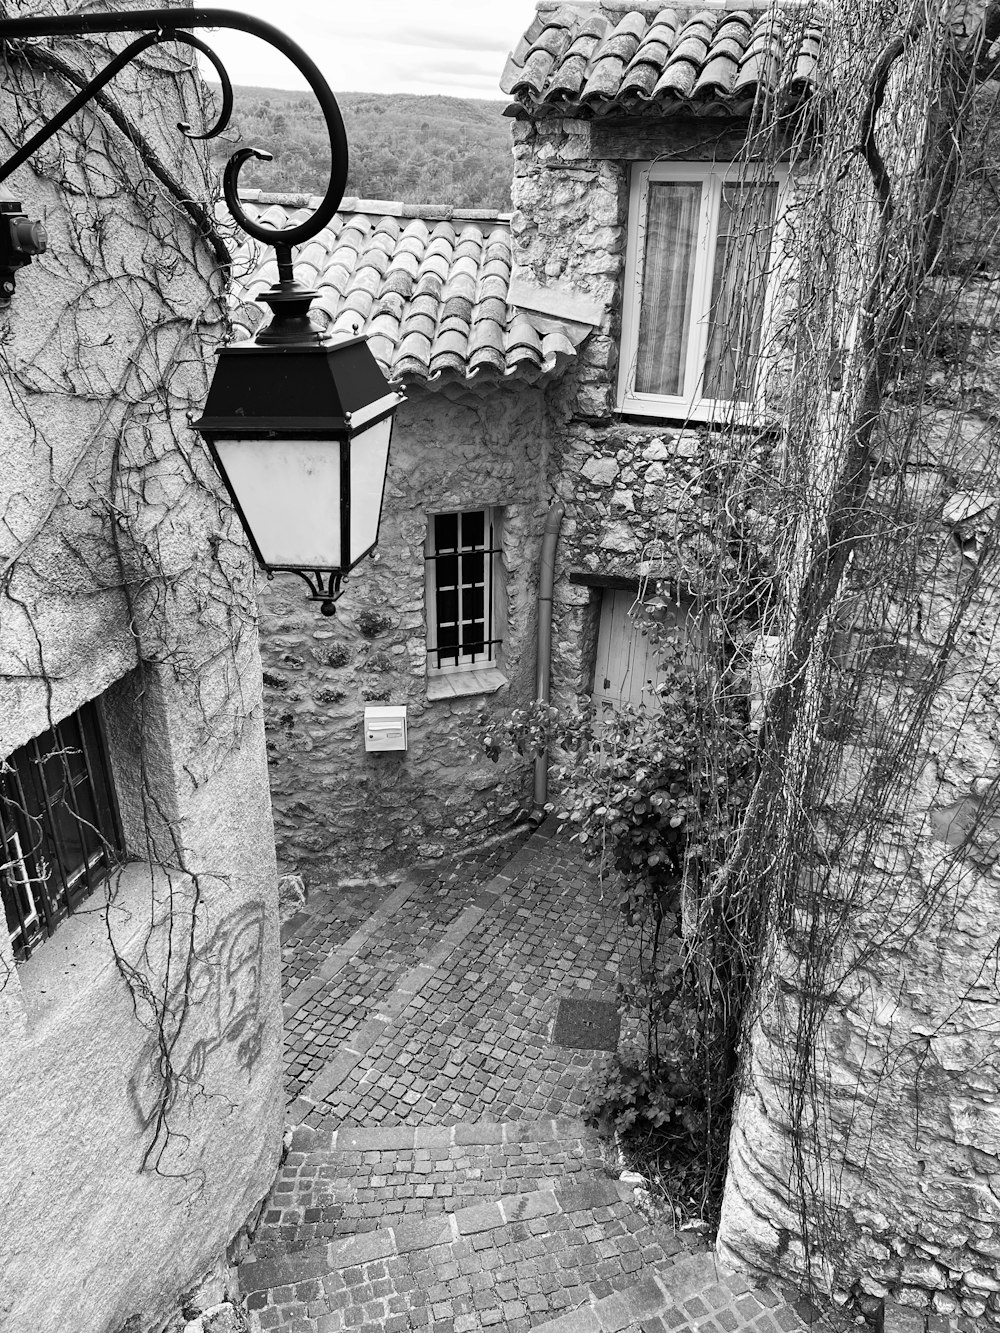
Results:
<point x="849" y="592"/>
<point x="876" y="535"/>
<point x="111" y="514"/>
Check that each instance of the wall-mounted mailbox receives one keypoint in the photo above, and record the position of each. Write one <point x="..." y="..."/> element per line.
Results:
<point x="385" y="727"/>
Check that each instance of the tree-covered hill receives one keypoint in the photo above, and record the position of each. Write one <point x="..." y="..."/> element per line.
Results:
<point x="420" y="150"/>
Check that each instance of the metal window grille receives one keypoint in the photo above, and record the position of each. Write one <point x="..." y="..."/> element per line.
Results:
<point x="461" y="558"/>
<point x="59" y="827"/>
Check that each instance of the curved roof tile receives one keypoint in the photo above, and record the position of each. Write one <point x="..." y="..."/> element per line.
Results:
<point x="429" y="287"/>
<point x="592" y="58"/>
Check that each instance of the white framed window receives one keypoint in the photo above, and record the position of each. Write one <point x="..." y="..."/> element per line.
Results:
<point x="463" y="592"/>
<point x="696" y="287"/>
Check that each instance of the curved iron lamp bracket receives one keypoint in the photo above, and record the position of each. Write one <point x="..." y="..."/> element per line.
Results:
<point x="169" y="25"/>
<point x="324" y="587"/>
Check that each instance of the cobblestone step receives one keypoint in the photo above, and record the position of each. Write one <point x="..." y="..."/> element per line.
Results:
<point x="466" y="1033"/>
<point x="344" y="1181"/>
<point x="694" y="1295"/>
<point x="341" y="964"/>
<point x="388" y="1006"/>
<point x="437" y="1123"/>
<point x="541" y="1261"/>
<point x="513" y="1262"/>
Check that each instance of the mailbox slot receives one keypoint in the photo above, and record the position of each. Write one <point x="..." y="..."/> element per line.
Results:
<point x="385" y="727"/>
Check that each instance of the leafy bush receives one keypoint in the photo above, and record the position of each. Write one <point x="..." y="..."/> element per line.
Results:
<point x="655" y="798"/>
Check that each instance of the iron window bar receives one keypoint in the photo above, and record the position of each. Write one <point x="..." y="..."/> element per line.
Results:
<point x="465" y="648"/>
<point x="60" y="831"/>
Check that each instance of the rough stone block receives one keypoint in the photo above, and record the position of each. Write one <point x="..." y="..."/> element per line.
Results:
<point x="898" y="1318"/>
<point x="595" y="1194"/>
<point x="582" y="1320"/>
<point x="523" y="1207"/>
<point x="688" y="1278"/>
<point x="362" y="1249"/>
<point x="422" y="1234"/>
<point x="432" y="1136"/>
<point x="484" y="1217"/>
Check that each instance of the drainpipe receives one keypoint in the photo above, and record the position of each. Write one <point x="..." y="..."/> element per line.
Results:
<point x="543" y="654"/>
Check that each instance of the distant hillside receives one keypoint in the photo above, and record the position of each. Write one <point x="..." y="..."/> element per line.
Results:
<point x="420" y="150"/>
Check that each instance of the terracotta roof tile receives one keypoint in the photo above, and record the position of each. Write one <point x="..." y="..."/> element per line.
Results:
<point x="429" y="287"/>
<point x="612" y="57"/>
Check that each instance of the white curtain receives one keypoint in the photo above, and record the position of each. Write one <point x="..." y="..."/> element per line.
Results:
<point x="667" y="282"/>
<point x="743" y="245"/>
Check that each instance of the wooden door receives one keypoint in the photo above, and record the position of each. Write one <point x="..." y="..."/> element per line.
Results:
<point x="626" y="670"/>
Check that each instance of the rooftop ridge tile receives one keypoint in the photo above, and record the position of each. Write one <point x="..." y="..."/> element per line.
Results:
<point x="623" y="55"/>
<point x="429" y="286"/>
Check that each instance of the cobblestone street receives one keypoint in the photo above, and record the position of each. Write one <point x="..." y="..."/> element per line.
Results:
<point x="440" y="1175"/>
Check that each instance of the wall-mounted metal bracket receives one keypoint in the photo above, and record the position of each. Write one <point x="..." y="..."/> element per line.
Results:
<point x="20" y="241"/>
<point x="171" y="25"/>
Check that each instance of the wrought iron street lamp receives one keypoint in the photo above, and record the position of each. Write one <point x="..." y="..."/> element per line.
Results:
<point x="298" y="423"/>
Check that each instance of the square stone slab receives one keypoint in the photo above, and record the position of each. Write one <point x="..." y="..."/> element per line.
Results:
<point x="587" y="1025"/>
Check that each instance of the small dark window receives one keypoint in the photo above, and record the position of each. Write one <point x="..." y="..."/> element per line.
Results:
<point x="462" y="554"/>
<point x="59" y="826"/>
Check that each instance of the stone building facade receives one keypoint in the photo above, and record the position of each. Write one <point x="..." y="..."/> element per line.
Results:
<point x="505" y="335"/>
<point x="140" y="1021"/>
<point x="900" y="1143"/>
<point x="601" y="92"/>
<point x="902" y="1152"/>
<point x="429" y="287"/>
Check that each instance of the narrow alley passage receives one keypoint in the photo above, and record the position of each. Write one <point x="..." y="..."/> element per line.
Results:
<point x="440" y="1175"/>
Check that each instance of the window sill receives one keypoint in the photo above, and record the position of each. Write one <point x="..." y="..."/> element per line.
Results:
<point x="79" y="954"/>
<point x="704" y="412"/>
<point x="461" y="684"/>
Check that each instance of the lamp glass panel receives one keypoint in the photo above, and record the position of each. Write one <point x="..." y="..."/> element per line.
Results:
<point x="289" y="492"/>
<point x="369" y="463"/>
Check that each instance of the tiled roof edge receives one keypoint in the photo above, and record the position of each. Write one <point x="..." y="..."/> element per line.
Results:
<point x="380" y="207"/>
<point x="654" y="7"/>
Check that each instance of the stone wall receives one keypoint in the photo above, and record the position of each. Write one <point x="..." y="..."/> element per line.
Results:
<point x="630" y="488"/>
<point x="907" y="1148"/>
<point x="123" y="579"/>
<point x="342" y="813"/>
<point x="901" y="1134"/>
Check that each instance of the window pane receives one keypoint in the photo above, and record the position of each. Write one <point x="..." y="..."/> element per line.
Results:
<point x="667" y="284"/>
<point x="473" y="568"/>
<point x="446" y="532"/>
<point x="447" y="607"/>
<point x="460" y="614"/>
<point x="475" y="634"/>
<point x="473" y="529"/>
<point x="746" y="224"/>
<point x="447" y="571"/>
<point x="77" y="841"/>
<point x="24" y="923"/>
<point x="57" y="825"/>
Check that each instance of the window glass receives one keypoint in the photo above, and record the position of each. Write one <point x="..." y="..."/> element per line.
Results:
<point x="446" y="532"/>
<point x="59" y="829"/>
<point x="461" y="562"/>
<point x="667" y="286"/>
<point x="696" y="288"/>
<point x="742" y="247"/>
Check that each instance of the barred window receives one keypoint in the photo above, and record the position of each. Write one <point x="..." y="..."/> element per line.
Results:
<point x="59" y="826"/>
<point x="462" y="557"/>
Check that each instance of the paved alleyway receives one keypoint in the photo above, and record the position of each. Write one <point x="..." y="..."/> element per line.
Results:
<point x="440" y="1175"/>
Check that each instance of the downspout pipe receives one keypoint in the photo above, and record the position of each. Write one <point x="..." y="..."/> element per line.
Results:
<point x="543" y="654"/>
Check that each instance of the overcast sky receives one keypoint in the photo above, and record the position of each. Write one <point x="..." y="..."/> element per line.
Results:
<point x="456" y="47"/>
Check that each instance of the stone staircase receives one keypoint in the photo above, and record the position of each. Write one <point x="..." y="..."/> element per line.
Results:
<point x="510" y="1226"/>
<point x="439" y="1177"/>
